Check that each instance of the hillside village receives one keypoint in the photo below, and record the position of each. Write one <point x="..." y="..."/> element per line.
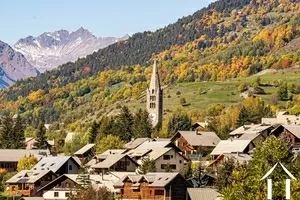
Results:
<point x="185" y="166"/>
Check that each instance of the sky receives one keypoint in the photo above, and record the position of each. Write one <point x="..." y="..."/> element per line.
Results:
<point x="21" y="18"/>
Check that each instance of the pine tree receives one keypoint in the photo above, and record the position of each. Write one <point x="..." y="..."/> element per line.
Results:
<point x="41" y="139"/>
<point x="123" y="124"/>
<point x="179" y="122"/>
<point x="93" y="132"/>
<point x="148" y="165"/>
<point x="141" y="126"/>
<point x="6" y="134"/>
<point x="18" y="134"/>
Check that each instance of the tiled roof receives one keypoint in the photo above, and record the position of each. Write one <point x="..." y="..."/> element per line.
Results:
<point x="208" y="139"/>
<point x="203" y="193"/>
<point x="14" y="155"/>
<point x="230" y="146"/>
<point x="84" y="149"/>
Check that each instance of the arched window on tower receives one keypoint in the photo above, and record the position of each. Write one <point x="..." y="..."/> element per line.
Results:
<point x="153" y="91"/>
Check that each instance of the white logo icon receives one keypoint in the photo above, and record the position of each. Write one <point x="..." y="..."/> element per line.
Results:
<point x="287" y="182"/>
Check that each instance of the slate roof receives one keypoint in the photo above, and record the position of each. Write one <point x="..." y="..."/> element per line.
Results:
<point x="208" y="139"/>
<point x="203" y="193"/>
<point x="52" y="163"/>
<point x="157" y="179"/>
<point x="14" y="155"/>
<point x="84" y="149"/>
<point x="229" y="146"/>
<point x="28" y="176"/>
<point x="135" y="143"/>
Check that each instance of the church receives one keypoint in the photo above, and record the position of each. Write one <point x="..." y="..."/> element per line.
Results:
<point x="155" y="98"/>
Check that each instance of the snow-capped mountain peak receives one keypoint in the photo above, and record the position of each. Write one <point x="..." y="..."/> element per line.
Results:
<point x="52" y="49"/>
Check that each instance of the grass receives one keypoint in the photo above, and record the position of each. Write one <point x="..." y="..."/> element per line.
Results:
<point x="224" y="93"/>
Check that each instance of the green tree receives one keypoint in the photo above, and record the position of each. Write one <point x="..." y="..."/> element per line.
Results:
<point x="77" y="142"/>
<point x="168" y="167"/>
<point x="6" y="133"/>
<point x="141" y="126"/>
<point x="224" y="172"/>
<point x="187" y="170"/>
<point x="282" y="92"/>
<point x="179" y="122"/>
<point x="18" y="134"/>
<point x="147" y="165"/>
<point x="109" y="142"/>
<point x="123" y="124"/>
<point x="26" y="163"/>
<point x="41" y="139"/>
<point x="93" y="132"/>
<point x="90" y="192"/>
<point x="245" y="182"/>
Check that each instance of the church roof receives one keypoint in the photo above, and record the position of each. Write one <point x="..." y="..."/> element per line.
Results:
<point x="155" y="82"/>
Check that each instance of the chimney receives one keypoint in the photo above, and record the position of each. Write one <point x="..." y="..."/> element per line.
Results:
<point x="102" y="174"/>
<point x="132" y="139"/>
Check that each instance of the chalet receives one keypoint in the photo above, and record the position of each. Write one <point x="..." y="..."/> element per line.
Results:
<point x="58" y="164"/>
<point x="101" y="157"/>
<point x="115" y="162"/>
<point x="28" y="182"/>
<point x="203" y="193"/>
<point x="86" y="153"/>
<point x="164" y="157"/>
<point x="291" y="133"/>
<point x="61" y="187"/>
<point x="199" y="126"/>
<point x="239" y="158"/>
<point x="152" y="186"/>
<point x="282" y="118"/>
<point x="29" y="143"/>
<point x="9" y="158"/>
<point x="189" y="142"/>
<point x="232" y="146"/>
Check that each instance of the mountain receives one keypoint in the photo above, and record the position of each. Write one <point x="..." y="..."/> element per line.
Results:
<point x="13" y="66"/>
<point x="227" y="40"/>
<point x="50" y="50"/>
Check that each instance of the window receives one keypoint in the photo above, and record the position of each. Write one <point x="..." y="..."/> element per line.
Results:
<point x="136" y="190"/>
<point x="173" y="166"/>
<point x="55" y="194"/>
<point x="167" y="157"/>
<point x="159" y="192"/>
<point x="70" y="167"/>
<point x="67" y="194"/>
<point x="152" y="91"/>
<point x="180" y="161"/>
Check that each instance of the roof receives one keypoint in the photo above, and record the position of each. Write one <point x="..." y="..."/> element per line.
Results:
<point x="69" y="136"/>
<point x="138" y="152"/>
<point x="135" y="143"/>
<point x="110" y="152"/>
<point x="229" y="146"/>
<point x="28" y="139"/>
<point x="248" y="136"/>
<point x="154" y="144"/>
<point x="28" y="176"/>
<point x="202" y="124"/>
<point x="199" y="138"/>
<point x="111" y="160"/>
<point x="241" y="157"/>
<point x="14" y="155"/>
<point x="203" y="193"/>
<point x="32" y="198"/>
<point x="294" y="129"/>
<point x="247" y="129"/>
<point x="84" y="149"/>
<point x="157" y="179"/>
<point x="53" y="163"/>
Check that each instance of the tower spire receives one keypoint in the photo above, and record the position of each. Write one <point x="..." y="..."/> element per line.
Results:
<point x="155" y="82"/>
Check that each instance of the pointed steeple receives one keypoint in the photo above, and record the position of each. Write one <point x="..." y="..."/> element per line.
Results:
<point x="155" y="83"/>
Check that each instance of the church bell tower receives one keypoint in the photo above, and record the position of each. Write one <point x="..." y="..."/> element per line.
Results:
<point x="155" y="98"/>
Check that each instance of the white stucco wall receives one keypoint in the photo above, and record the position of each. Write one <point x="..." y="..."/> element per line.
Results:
<point x="173" y="161"/>
<point x="49" y="195"/>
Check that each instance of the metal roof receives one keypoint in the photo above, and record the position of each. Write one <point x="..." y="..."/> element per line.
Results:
<point x="203" y="193"/>
<point x="84" y="149"/>
<point x="52" y="163"/>
<point x="229" y="146"/>
<point x="28" y="176"/>
<point x="200" y="138"/>
<point x="14" y="155"/>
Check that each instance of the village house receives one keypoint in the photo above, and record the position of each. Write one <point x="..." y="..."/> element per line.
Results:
<point x="199" y="126"/>
<point x="58" y="164"/>
<point x="232" y="146"/>
<point x="115" y="162"/>
<point x="165" y="186"/>
<point x="239" y="158"/>
<point x="291" y="133"/>
<point x="29" y="143"/>
<point x="27" y="182"/>
<point x="101" y="157"/>
<point x="63" y="186"/>
<point x="86" y="153"/>
<point x="282" y="118"/>
<point x="165" y="157"/>
<point x="195" y="143"/>
<point x="9" y="158"/>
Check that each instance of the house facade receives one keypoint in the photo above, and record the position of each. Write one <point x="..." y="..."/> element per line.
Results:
<point x="165" y="186"/>
<point x="290" y="133"/>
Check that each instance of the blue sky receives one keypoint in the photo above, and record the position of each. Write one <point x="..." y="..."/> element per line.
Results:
<point x="21" y="18"/>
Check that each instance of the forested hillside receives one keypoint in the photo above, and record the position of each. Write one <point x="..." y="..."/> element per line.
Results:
<point x="229" y="39"/>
